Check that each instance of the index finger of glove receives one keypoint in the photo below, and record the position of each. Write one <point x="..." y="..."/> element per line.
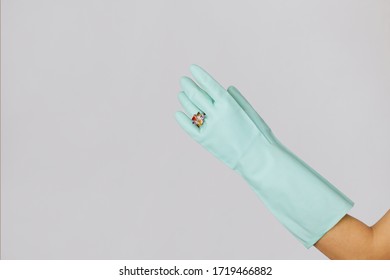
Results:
<point x="207" y="83"/>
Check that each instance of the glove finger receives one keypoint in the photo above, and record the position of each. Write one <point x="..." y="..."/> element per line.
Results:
<point x="248" y="109"/>
<point x="208" y="83"/>
<point x="186" y="123"/>
<point x="188" y="106"/>
<point x="197" y="96"/>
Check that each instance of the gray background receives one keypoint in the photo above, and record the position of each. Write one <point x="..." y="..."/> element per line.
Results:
<point x="94" y="164"/>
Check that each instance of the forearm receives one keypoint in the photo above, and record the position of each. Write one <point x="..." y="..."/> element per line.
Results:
<point x="352" y="239"/>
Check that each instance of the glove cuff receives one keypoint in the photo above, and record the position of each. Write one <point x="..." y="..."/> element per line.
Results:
<point x="301" y="199"/>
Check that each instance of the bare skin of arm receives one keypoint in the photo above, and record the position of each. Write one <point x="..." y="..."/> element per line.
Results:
<point x="352" y="239"/>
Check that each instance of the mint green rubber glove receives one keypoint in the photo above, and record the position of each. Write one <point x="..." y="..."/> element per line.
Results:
<point x="303" y="201"/>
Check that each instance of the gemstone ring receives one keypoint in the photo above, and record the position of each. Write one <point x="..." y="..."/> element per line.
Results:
<point x="198" y="119"/>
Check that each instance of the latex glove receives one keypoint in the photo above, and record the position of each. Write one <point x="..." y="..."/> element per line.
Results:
<point x="301" y="199"/>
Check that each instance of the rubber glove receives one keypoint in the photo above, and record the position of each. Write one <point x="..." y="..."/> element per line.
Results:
<point x="301" y="199"/>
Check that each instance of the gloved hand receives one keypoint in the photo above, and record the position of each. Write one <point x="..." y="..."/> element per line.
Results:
<point x="303" y="201"/>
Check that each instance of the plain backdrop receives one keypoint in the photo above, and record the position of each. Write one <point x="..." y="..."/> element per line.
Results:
<point x="94" y="165"/>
